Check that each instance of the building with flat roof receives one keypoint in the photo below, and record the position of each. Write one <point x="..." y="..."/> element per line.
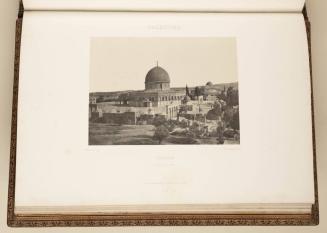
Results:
<point x="157" y="98"/>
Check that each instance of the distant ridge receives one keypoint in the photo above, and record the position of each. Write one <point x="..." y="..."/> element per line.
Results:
<point x="217" y="87"/>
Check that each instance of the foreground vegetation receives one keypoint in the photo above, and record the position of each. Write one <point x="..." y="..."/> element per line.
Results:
<point x="106" y="134"/>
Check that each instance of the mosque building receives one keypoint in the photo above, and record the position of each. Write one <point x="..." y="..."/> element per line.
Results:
<point x="156" y="99"/>
<point x="157" y="91"/>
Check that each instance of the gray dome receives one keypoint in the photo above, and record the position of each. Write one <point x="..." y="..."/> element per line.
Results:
<point x="157" y="75"/>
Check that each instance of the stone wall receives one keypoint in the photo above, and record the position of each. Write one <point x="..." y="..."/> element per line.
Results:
<point x="94" y="116"/>
<point x="108" y="108"/>
<point x="126" y="118"/>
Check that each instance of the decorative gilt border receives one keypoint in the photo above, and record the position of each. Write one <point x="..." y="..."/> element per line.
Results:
<point x="56" y="220"/>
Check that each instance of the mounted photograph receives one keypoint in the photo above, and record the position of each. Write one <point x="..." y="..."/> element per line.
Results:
<point x="163" y="91"/>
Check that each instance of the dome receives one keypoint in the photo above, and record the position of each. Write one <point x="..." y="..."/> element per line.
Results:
<point x="209" y="84"/>
<point x="157" y="74"/>
<point x="157" y="79"/>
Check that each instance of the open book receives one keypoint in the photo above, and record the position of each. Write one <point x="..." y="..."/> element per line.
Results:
<point x="166" y="112"/>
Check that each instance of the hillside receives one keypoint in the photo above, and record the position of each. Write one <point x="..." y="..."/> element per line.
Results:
<point x="213" y="89"/>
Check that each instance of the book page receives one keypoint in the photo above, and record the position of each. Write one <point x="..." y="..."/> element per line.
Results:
<point x="146" y="109"/>
<point x="168" y="5"/>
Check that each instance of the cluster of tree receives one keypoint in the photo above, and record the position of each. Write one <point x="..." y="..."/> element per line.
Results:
<point x="226" y="116"/>
<point x="216" y="112"/>
<point x="232" y="120"/>
<point x="183" y="109"/>
<point x="160" y="133"/>
<point x="227" y="110"/>
<point x="198" y="91"/>
<point x="196" y="130"/>
<point x="220" y="133"/>
<point x="230" y="96"/>
<point x="163" y="128"/>
<point x="229" y="115"/>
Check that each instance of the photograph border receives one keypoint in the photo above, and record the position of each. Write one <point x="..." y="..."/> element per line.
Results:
<point x="193" y="100"/>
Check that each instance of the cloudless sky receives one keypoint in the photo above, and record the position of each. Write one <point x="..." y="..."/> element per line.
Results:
<point x="118" y="64"/>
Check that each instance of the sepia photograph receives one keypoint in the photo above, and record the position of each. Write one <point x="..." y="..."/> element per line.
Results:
<point x="163" y="91"/>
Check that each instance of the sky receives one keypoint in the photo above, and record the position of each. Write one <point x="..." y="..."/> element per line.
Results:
<point x="118" y="64"/>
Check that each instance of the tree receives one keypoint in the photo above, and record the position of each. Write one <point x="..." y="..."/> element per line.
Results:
<point x="161" y="133"/>
<point x="187" y="91"/>
<point x="196" y="130"/>
<point x="159" y="121"/>
<point x="191" y="134"/>
<point x="228" y="115"/>
<point x="215" y="113"/>
<point x="222" y="94"/>
<point x="183" y="124"/>
<point x="170" y="125"/>
<point x="183" y="109"/>
<point x="232" y="97"/>
<point x="220" y="133"/>
<point x="235" y="122"/>
<point x="197" y="92"/>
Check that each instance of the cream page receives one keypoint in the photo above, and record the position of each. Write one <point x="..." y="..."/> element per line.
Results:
<point x="57" y="168"/>
<point x="168" y="5"/>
